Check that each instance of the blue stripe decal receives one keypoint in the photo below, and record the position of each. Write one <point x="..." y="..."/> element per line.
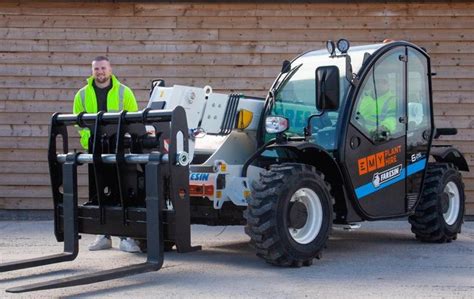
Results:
<point x="416" y="167"/>
<point x="369" y="188"/>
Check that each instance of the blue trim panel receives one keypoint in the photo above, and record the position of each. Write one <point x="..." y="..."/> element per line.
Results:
<point x="416" y="167"/>
<point x="369" y="188"/>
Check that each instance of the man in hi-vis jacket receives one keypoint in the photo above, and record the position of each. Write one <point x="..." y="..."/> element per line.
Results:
<point x="104" y="92"/>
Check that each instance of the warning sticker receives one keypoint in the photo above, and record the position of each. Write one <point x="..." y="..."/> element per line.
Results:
<point x="166" y="145"/>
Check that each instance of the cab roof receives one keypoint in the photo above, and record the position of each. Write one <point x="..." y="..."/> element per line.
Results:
<point x="356" y="53"/>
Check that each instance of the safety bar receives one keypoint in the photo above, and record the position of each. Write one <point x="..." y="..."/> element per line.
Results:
<point x="445" y="131"/>
<point x="145" y="116"/>
<point x="112" y="158"/>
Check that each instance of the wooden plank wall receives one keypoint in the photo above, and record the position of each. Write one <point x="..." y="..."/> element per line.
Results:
<point x="46" y="48"/>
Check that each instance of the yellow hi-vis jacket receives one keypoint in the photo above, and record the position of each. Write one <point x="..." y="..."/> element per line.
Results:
<point x="379" y="112"/>
<point x="120" y="97"/>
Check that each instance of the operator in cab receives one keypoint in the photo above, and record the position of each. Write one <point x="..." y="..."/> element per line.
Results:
<point x="377" y="110"/>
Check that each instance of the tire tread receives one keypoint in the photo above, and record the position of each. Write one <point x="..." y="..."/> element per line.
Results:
<point x="427" y="223"/>
<point x="262" y="227"/>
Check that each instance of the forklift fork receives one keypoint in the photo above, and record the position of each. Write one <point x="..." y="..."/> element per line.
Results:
<point x="159" y="167"/>
<point x="153" y="227"/>
<point x="71" y="240"/>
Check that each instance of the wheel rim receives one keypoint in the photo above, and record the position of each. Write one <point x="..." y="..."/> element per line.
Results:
<point x="454" y="202"/>
<point x="308" y="232"/>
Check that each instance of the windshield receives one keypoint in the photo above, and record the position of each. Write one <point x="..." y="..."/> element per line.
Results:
<point x="295" y="99"/>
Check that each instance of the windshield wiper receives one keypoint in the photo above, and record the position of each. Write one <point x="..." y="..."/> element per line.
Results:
<point x="286" y="78"/>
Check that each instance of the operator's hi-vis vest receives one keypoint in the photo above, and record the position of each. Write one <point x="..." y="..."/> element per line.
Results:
<point x="380" y="112"/>
<point x="119" y="98"/>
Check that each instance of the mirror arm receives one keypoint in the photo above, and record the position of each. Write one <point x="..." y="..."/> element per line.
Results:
<point x="350" y="76"/>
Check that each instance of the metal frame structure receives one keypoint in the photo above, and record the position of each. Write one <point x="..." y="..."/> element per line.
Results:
<point x="139" y="183"/>
<point x="156" y="221"/>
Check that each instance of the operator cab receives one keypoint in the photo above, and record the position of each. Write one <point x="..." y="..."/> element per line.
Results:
<point x="385" y="155"/>
<point x="368" y="108"/>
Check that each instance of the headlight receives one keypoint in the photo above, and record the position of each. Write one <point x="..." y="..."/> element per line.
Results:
<point x="276" y="124"/>
<point x="343" y="45"/>
<point x="331" y="47"/>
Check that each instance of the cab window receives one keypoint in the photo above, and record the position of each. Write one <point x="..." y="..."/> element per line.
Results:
<point x="419" y="117"/>
<point x="296" y="99"/>
<point x="379" y="104"/>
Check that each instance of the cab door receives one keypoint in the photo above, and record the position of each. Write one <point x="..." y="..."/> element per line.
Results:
<point x="420" y="122"/>
<point x="375" y="148"/>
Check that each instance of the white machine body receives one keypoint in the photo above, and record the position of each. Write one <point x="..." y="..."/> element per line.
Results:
<point x="222" y="149"/>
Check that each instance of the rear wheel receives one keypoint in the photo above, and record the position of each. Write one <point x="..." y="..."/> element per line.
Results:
<point x="439" y="215"/>
<point x="290" y="214"/>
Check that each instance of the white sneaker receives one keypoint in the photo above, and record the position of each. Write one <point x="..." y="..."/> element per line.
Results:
<point x="129" y="245"/>
<point x="101" y="242"/>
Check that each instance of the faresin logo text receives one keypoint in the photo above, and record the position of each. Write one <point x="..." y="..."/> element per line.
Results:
<point x="385" y="176"/>
<point x="378" y="160"/>
<point x="197" y="176"/>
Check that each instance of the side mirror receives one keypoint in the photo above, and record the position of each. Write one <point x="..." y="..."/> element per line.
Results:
<point x="327" y="88"/>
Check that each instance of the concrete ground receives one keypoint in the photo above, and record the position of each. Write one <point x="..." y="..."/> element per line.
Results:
<point x="380" y="259"/>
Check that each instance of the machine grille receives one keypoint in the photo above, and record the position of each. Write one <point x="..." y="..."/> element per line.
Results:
<point x="412" y="197"/>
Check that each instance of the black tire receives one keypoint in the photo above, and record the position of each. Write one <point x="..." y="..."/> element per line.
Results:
<point x="433" y="221"/>
<point x="269" y="220"/>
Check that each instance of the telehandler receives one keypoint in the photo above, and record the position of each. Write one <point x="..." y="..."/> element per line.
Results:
<point x="344" y="135"/>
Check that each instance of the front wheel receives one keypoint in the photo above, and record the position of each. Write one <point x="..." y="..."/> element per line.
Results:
<point x="290" y="214"/>
<point x="439" y="215"/>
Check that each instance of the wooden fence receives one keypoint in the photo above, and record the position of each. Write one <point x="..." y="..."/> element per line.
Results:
<point x="46" y="49"/>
